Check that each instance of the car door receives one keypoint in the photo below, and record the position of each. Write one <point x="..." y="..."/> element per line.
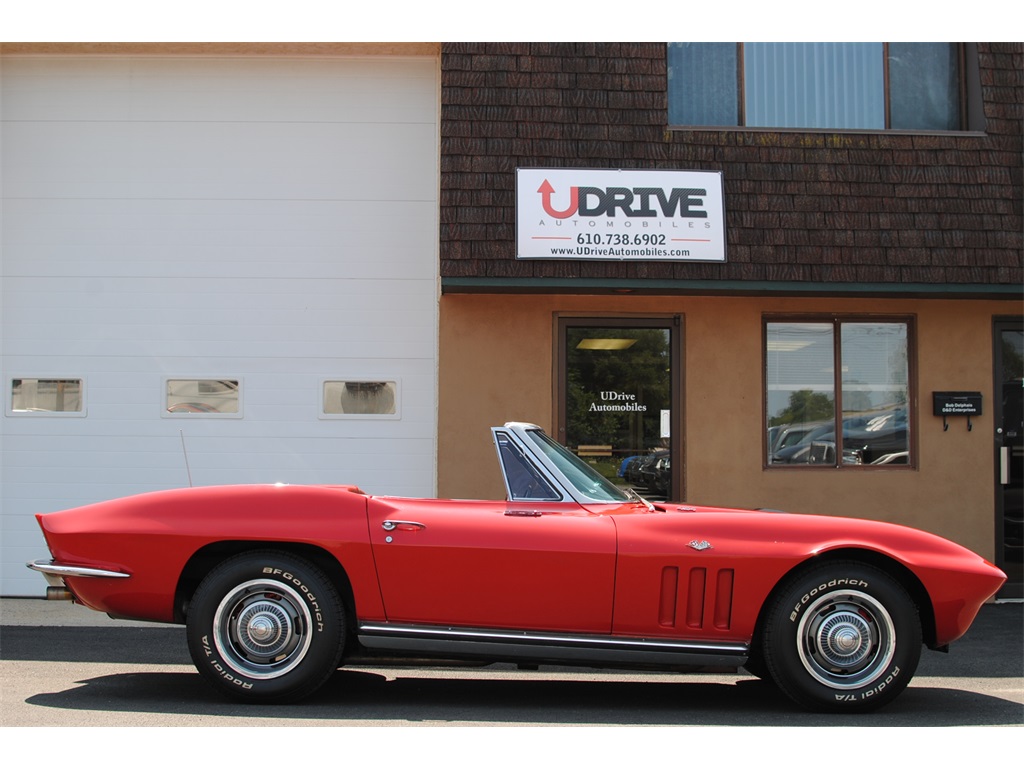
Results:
<point x="544" y="566"/>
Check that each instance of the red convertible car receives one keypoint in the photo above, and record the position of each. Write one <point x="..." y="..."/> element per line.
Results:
<point x="279" y="585"/>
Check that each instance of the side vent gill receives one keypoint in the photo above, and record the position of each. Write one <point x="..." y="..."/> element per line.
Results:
<point x="707" y="599"/>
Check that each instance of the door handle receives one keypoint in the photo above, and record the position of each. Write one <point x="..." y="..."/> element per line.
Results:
<point x="1004" y="465"/>
<point x="402" y="525"/>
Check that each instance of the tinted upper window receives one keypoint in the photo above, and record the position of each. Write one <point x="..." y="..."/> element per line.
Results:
<point x="839" y="86"/>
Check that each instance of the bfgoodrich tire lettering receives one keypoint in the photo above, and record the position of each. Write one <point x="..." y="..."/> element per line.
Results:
<point x="844" y="637"/>
<point x="266" y="627"/>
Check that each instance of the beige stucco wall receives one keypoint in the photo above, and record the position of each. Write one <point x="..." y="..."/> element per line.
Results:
<point x="498" y="360"/>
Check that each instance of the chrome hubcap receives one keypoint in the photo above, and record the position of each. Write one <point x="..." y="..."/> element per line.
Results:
<point x="846" y="639"/>
<point x="261" y="629"/>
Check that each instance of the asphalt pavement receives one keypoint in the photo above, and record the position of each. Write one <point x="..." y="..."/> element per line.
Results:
<point x="36" y="612"/>
<point x="61" y="664"/>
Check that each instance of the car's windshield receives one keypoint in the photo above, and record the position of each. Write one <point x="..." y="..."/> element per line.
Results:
<point x="588" y="481"/>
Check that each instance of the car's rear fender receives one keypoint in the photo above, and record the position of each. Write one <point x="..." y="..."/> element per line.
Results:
<point x="209" y="556"/>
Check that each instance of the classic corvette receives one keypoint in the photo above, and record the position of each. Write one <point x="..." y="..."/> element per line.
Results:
<point x="279" y="585"/>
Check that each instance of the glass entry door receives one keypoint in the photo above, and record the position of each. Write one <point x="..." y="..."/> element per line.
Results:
<point x="1009" y="441"/>
<point x="619" y="401"/>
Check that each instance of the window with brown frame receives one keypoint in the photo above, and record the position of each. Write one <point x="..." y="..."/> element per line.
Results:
<point x="837" y="392"/>
<point x="820" y="86"/>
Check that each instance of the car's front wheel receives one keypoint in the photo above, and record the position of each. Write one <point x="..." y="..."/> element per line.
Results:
<point x="843" y="637"/>
<point x="266" y="626"/>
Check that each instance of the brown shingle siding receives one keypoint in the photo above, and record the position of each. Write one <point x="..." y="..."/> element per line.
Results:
<point x="804" y="207"/>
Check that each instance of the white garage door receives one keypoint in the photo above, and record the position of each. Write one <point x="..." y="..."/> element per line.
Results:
<point x="214" y="270"/>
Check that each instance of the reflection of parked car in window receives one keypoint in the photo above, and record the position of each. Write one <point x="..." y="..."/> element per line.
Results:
<point x="644" y="472"/>
<point x="901" y="457"/>
<point x="794" y="445"/>
<point x="824" y="452"/>
<point x="663" y="475"/>
<point x="624" y="466"/>
<point x="650" y="468"/>
<point x="774" y="434"/>
<point x="634" y="472"/>
<point x="875" y="438"/>
<point x="794" y="434"/>
<point x="882" y="447"/>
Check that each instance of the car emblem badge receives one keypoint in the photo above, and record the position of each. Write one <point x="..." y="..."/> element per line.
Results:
<point x="701" y="545"/>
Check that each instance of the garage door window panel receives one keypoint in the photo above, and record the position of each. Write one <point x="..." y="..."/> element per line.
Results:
<point x="46" y="397"/>
<point x="361" y="398"/>
<point x="199" y="398"/>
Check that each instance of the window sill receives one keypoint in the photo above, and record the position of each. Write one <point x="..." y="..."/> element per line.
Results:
<point x="853" y="131"/>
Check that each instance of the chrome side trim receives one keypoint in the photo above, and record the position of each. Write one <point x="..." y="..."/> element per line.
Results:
<point x="551" y="638"/>
<point x="603" y="651"/>
<point x="50" y="568"/>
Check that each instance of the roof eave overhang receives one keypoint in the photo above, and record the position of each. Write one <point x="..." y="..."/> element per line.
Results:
<point x="592" y="286"/>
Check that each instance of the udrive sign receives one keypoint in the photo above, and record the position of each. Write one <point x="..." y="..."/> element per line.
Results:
<point x="564" y="213"/>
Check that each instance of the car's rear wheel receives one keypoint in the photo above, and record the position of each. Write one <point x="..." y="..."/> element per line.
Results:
<point x="843" y="637"/>
<point x="266" y="626"/>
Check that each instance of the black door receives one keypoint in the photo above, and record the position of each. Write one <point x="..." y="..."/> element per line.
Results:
<point x="1009" y="441"/>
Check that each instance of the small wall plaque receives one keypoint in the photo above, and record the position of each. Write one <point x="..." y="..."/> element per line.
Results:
<point x="956" y="404"/>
